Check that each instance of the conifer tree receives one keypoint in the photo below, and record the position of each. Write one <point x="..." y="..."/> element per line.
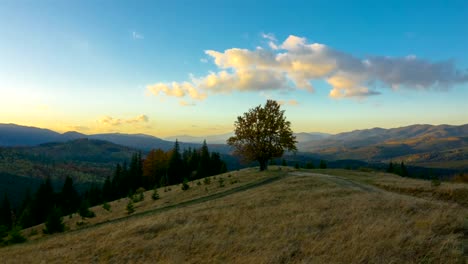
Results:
<point x="44" y="201"/>
<point x="175" y="167"/>
<point x="5" y="213"/>
<point x="69" y="198"/>
<point x="107" y="190"/>
<point x="404" y="170"/>
<point x="54" y="223"/>
<point x="203" y="169"/>
<point x="390" y="168"/>
<point x="84" y="210"/>
<point x="323" y="164"/>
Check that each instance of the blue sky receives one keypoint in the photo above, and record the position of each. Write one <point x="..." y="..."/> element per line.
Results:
<point x="190" y="67"/>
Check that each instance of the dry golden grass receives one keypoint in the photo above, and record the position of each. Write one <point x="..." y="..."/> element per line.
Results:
<point x="447" y="191"/>
<point x="302" y="218"/>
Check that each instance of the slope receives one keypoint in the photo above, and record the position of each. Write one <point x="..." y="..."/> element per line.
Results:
<point x="319" y="216"/>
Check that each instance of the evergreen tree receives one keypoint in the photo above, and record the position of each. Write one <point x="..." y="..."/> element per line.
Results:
<point x="135" y="172"/>
<point x="5" y="213"/>
<point x="390" y="168"/>
<point x="203" y="169"/>
<point x="175" y="167"/>
<point x="107" y="193"/>
<point x="323" y="164"/>
<point x="404" y="170"/>
<point x="69" y="198"/>
<point x="54" y="223"/>
<point x="216" y="164"/>
<point x="44" y="201"/>
<point x="310" y="165"/>
<point x="84" y="210"/>
<point x="26" y="217"/>
<point x="94" y="195"/>
<point x="193" y="161"/>
<point x="117" y="182"/>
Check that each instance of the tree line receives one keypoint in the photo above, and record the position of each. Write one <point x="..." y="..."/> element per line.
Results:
<point x="159" y="168"/>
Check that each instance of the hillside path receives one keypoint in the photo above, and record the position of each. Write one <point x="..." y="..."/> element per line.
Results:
<point x="342" y="182"/>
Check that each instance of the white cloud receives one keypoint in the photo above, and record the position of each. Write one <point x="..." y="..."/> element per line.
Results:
<point x="296" y="63"/>
<point x="136" y="35"/>
<point x="291" y="102"/>
<point x="111" y="121"/>
<point x="185" y="103"/>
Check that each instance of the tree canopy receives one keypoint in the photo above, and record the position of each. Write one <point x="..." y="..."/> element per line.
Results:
<point x="262" y="133"/>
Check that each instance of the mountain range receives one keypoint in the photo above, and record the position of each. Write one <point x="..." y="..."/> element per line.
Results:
<point x="423" y="145"/>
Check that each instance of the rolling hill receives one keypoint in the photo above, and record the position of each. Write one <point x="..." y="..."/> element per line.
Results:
<point x="278" y="216"/>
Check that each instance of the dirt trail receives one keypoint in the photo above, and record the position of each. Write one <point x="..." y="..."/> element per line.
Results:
<point x="342" y="182"/>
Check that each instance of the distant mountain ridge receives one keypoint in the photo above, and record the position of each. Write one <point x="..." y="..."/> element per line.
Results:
<point x="425" y="145"/>
<point x="12" y="135"/>
<point x="441" y="146"/>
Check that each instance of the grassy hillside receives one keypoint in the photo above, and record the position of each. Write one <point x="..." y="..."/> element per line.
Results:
<point x="278" y="216"/>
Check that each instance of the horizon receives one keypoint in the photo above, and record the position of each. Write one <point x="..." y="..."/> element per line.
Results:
<point x="173" y="69"/>
<point x="222" y="134"/>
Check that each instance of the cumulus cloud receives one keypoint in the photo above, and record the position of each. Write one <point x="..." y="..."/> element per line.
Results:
<point x="111" y="121"/>
<point x="295" y="64"/>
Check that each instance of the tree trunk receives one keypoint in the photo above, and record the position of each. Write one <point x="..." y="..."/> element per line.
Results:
<point x="263" y="164"/>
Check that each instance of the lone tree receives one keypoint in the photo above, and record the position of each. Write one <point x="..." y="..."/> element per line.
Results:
<point x="262" y="133"/>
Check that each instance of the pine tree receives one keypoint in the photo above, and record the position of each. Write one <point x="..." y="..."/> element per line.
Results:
<point x="44" y="201"/>
<point x="203" y="169"/>
<point x="390" y="168"/>
<point x="323" y="164"/>
<point x="5" y="213"/>
<point x="175" y="167"/>
<point x="107" y="190"/>
<point x="54" y="223"/>
<point x="69" y="198"/>
<point x="404" y="170"/>
<point x="117" y="182"/>
<point x="310" y="165"/>
<point x="26" y="217"/>
<point x="84" y="210"/>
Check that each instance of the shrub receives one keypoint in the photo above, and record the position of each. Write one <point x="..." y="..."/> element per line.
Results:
<point x="138" y="197"/>
<point x="155" y="195"/>
<point x="207" y="181"/>
<point x="435" y="182"/>
<point x="221" y="182"/>
<point x="130" y="207"/>
<point x="84" y="210"/>
<point x="185" y="185"/>
<point x="14" y="236"/>
<point x="106" y="206"/>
